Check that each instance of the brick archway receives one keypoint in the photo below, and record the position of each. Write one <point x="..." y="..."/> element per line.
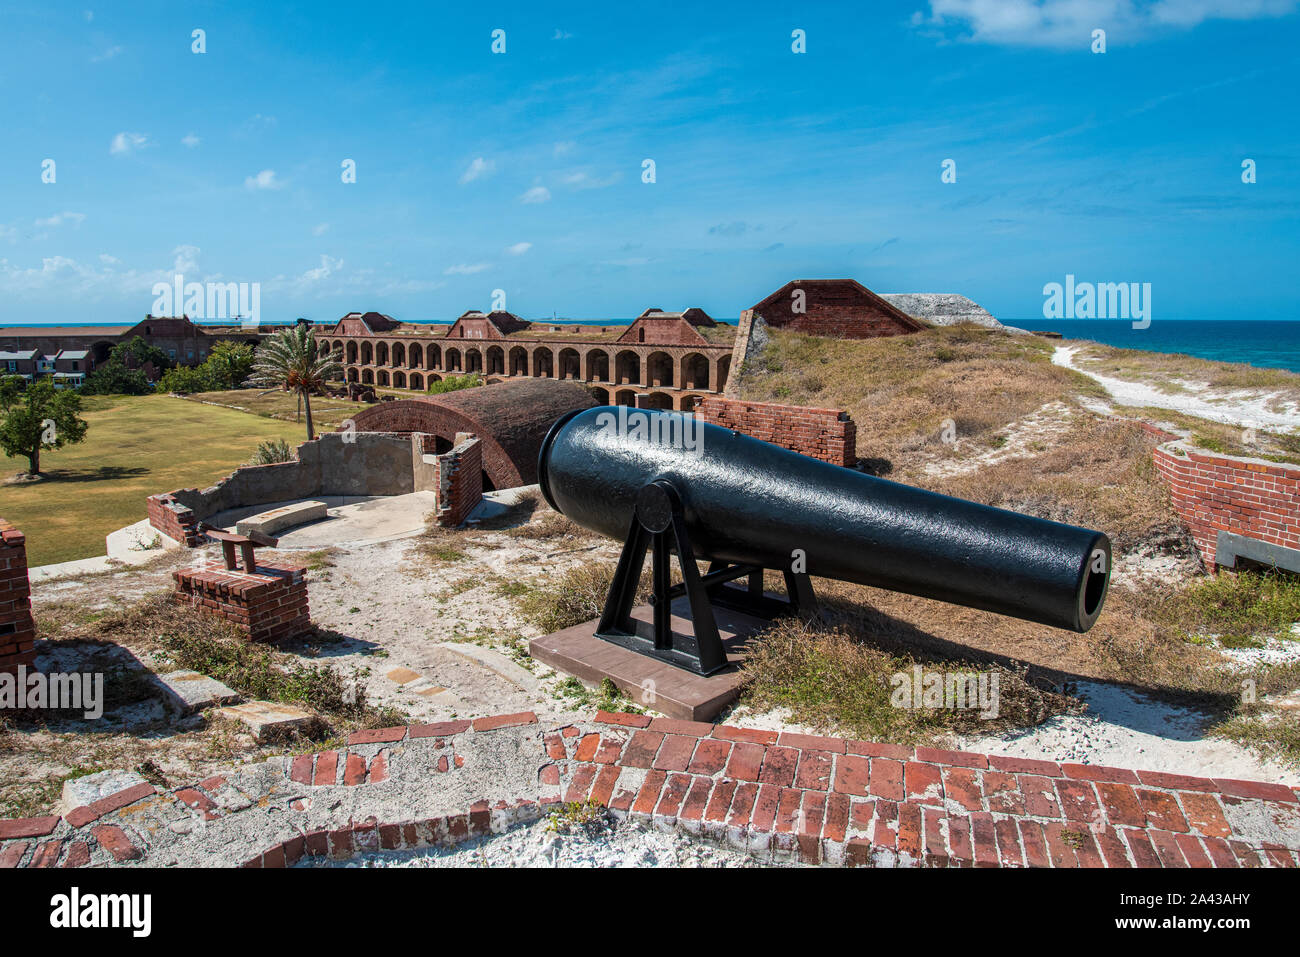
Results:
<point x="511" y="418"/>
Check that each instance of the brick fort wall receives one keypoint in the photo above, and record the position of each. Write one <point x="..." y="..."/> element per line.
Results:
<point x="1249" y="497"/>
<point x="826" y="434"/>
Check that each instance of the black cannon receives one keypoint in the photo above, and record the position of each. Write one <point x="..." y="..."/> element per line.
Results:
<point x="669" y="481"/>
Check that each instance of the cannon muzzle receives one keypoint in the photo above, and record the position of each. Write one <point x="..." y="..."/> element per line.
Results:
<point x="747" y="504"/>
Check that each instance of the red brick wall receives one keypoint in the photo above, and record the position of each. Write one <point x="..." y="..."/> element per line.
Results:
<point x="826" y="434"/>
<point x="1211" y="492"/>
<point x="174" y="520"/>
<point x="835" y="308"/>
<point x="459" y="481"/>
<point x="266" y="605"/>
<point x="17" y="629"/>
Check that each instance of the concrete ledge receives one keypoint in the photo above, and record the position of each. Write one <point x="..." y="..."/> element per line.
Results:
<point x="278" y="519"/>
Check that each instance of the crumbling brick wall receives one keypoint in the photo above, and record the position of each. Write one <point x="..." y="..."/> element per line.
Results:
<point x="826" y="434"/>
<point x="266" y="605"/>
<point x="178" y="522"/>
<point x="17" y="629"/>
<point x="1249" y="497"/>
<point x="459" y="480"/>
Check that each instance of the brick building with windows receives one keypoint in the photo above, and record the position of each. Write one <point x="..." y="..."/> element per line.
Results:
<point x="666" y="360"/>
<point x="184" y="342"/>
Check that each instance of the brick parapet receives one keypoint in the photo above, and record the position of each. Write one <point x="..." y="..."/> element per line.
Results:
<point x="826" y="434"/>
<point x="17" y="627"/>
<point x="776" y="795"/>
<point x="1212" y="492"/>
<point x="265" y="605"/>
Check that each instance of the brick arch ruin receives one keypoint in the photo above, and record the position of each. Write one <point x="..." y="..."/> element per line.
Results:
<point x="510" y="418"/>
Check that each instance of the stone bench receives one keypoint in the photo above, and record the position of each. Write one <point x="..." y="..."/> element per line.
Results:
<point x="278" y="519"/>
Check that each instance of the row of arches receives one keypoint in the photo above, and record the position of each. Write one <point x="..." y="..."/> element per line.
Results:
<point x="624" y="367"/>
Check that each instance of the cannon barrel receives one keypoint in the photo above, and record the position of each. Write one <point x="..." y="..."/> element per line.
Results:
<point x="746" y="501"/>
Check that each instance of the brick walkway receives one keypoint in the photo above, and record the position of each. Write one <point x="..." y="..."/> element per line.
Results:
<point x="818" y="799"/>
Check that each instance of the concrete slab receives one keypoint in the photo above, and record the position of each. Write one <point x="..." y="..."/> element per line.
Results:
<point x="78" y="792"/>
<point x="190" y="691"/>
<point x="350" y="520"/>
<point x="674" y="692"/>
<point x="495" y="662"/>
<point x="275" y="520"/>
<point x="266" y="719"/>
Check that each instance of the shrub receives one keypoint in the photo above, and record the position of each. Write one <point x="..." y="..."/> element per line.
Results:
<point x="272" y="452"/>
<point x="454" y="383"/>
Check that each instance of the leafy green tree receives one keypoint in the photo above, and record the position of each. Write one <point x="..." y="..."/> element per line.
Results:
<point x="114" y="378"/>
<point x="292" y="360"/>
<point x="39" y="417"/>
<point x="186" y="380"/>
<point x="135" y="353"/>
<point x="229" y="364"/>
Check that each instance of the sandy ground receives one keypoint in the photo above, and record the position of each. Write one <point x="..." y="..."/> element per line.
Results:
<point x="1022" y="439"/>
<point x="1123" y="728"/>
<point x="602" y="843"/>
<point x="1248" y="409"/>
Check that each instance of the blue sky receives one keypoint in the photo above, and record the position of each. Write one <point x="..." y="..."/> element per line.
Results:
<point x="522" y="171"/>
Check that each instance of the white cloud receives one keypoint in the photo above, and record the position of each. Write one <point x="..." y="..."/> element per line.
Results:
<point x="108" y="260"/>
<point x="106" y="55"/>
<point x="328" y="266"/>
<point x="518" y="249"/>
<point x="58" y="219"/>
<point x="125" y="143"/>
<point x="1069" y="23"/>
<point x="466" y="270"/>
<point x="321" y="229"/>
<point x="538" y="194"/>
<point x="190" y="140"/>
<point x="187" y="259"/>
<point x="561" y="35"/>
<point x="584" y="180"/>
<point x="263" y="180"/>
<point x="477" y="169"/>
<point x="564" y="148"/>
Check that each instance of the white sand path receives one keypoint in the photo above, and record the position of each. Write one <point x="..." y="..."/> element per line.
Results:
<point x="1247" y="409"/>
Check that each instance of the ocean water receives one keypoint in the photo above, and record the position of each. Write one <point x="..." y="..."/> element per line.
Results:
<point x="1273" y="345"/>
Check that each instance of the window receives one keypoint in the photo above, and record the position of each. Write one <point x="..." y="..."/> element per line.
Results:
<point x="76" y="366"/>
<point x="172" y="354"/>
<point x="13" y="366"/>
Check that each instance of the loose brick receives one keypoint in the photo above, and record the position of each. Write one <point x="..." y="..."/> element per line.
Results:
<point x="28" y="827"/>
<point x="504" y="721"/>
<point x="114" y="840"/>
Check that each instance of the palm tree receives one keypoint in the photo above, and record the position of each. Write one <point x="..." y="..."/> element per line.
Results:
<point x="291" y="359"/>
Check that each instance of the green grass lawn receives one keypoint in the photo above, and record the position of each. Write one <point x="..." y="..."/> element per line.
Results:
<point x="135" y="446"/>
